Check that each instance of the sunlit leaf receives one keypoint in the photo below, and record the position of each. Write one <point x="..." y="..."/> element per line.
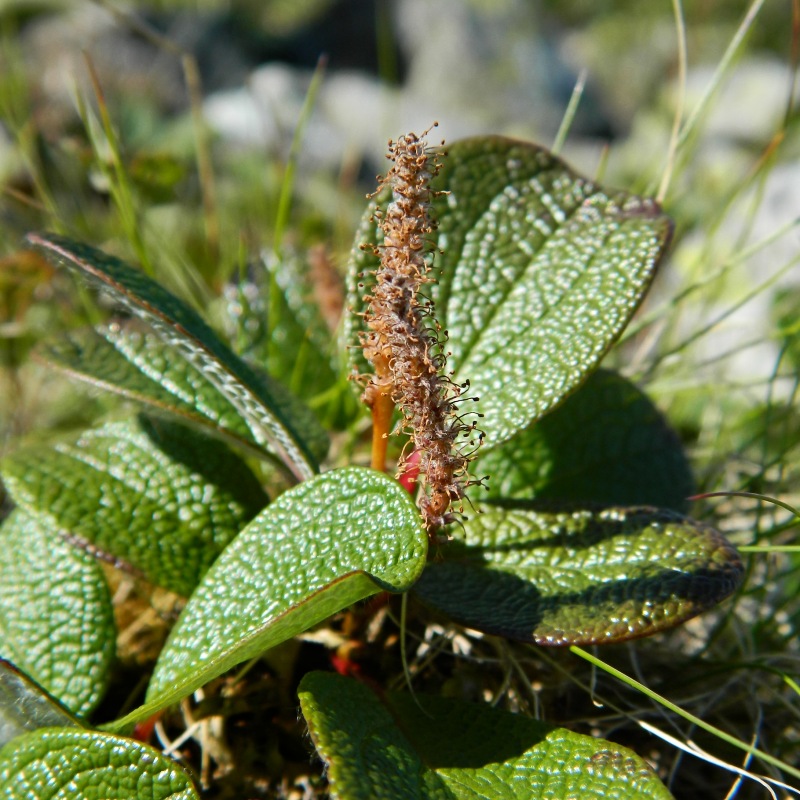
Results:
<point x="160" y="497"/>
<point x="71" y="764"/>
<point x="271" y="418"/>
<point x="319" y="548"/>
<point x="402" y="746"/>
<point x="539" y="273"/>
<point x="56" y="620"/>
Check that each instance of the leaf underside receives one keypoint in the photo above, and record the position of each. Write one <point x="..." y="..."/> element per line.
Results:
<point x="539" y="272"/>
<point x="580" y="577"/>
<point x="26" y="706"/>
<point x="402" y="747"/>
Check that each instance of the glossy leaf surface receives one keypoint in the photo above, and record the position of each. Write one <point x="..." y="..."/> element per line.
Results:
<point x="56" y="620"/>
<point x="25" y="706"/>
<point x="444" y="749"/>
<point x="581" y="577"/>
<point x="539" y="273"/>
<point x="262" y="403"/>
<point x="140" y="367"/>
<point x="607" y="444"/>
<point x="320" y="547"/>
<point x="71" y="764"/>
<point x="160" y="497"/>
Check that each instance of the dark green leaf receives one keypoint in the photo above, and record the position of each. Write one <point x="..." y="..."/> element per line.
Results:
<point x="272" y="418"/>
<point x="607" y="444"/>
<point x="25" y="706"/>
<point x="540" y="272"/>
<point x="320" y="547"/>
<point x="160" y="497"/>
<point x="70" y="764"/>
<point x="56" y="620"/>
<point x="581" y="577"/>
<point x="416" y="748"/>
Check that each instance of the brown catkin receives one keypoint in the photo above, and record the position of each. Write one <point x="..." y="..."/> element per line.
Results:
<point x="403" y="341"/>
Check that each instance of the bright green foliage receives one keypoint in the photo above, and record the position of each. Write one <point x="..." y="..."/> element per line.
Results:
<point x="24" y="706"/>
<point x="158" y="496"/>
<point x="580" y="577"/>
<point x="317" y="549"/>
<point x="140" y="367"/>
<point x="71" y="764"/>
<point x="271" y="415"/>
<point x="539" y="273"/>
<point x="402" y="747"/>
<point x="56" y="620"/>
<point x="606" y="444"/>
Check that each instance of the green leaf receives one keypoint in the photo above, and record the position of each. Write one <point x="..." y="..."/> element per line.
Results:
<point x="25" y="706"/>
<point x="56" y="620"/>
<point x="607" y="444"/>
<point x="69" y="764"/>
<point x="319" y="548"/>
<point x="580" y="577"/>
<point x="140" y="367"/>
<point x="273" y="419"/>
<point x="158" y="496"/>
<point x="540" y="272"/>
<point x="416" y="748"/>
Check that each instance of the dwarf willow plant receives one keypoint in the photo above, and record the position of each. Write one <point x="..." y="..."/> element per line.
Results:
<point x="486" y="285"/>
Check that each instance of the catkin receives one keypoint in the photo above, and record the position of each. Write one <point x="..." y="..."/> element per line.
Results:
<point x="404" y="342"/>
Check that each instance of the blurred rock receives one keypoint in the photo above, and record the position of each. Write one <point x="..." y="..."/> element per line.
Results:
<point x="750" y="103"/>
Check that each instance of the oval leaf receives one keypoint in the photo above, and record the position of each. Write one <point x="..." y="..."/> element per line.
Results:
<point x="56" y="620"/>
<point x="160" y="497"/>
<point x="74" y="765"/>
<point x="435" y="747"/>
<point x="581" y="577"/>
<point x="539" y="273"/>
<point x="607" y="444"/>
<point x="320" y="547"/>
<point x="274" y="422"/>
<point x="25" y="706"/>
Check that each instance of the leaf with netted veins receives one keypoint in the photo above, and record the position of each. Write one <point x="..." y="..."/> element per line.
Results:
<point x="273" y="421"/>
<point x="580" y="577"/>
<point x="139" y="366"/>
<point x="56" y="620"/>
<point x="159" y="497"/>
<point x="540" y="271"/>
<point x="72" y="764"/>
<point x="319" y="548"/>
<point x="401" y="746"/>
<point x="607" y="444"/>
